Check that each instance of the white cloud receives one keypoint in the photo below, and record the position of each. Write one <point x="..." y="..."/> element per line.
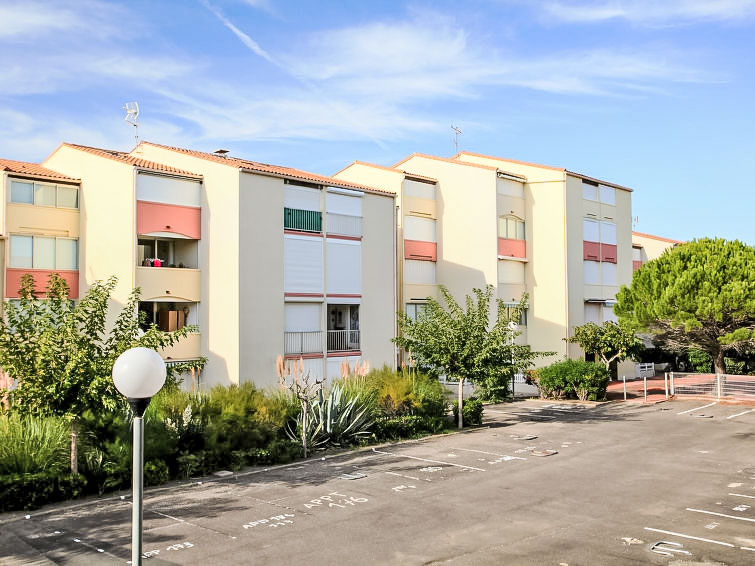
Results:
<point x="28" y="20"/>
<point x="651" y="12"/>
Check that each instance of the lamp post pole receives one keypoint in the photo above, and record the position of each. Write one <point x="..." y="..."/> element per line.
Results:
<point x="138" y="373"/>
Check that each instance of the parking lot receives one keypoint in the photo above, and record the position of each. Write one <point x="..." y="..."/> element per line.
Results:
<point x="541" y="483"/>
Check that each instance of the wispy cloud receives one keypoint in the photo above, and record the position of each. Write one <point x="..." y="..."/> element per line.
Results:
<point x="27" y="20"/>
<point x="651" y="12"/>
<point x="243" y="37"/>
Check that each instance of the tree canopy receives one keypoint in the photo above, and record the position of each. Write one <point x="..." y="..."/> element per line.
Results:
<point x="696" y="295"/>
<point x="610" y="341"/>
<point x="462" y="342"/>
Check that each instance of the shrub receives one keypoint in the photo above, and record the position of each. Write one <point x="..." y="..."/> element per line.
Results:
<point x="472" y="411"/>
<point x="30" y="491"/>
<point x="155" y="472"/>
<point x="33" y="444"/>
<point x="700" y="360"/>
<point x="572" y="379"/>
<point x="401" y="393"/>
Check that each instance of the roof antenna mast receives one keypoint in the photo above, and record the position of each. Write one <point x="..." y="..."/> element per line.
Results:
<point x="132" y="116"/>
<point x="457" y="131"/>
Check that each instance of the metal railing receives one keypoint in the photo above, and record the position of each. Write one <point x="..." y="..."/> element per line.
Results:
<point x="302" y="342"/>
<point x="343" y="224"/>
<point x="714" y="385"/>
<point x="306" y="220"/>
<point x="343" y="340"/>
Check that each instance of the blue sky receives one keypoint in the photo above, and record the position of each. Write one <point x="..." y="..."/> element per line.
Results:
<point x="655" y="95"/>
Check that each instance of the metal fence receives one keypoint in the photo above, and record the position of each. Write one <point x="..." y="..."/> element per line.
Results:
<point x="712" y="385"/>
<point x="302" y="342"/>
<point x="343" y="340"/>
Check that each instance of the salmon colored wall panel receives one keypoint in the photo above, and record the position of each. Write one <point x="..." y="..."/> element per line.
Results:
<point x="41" y="279"/>
<point x="591" y="251"/>
<point x="159" y="217"/>
<point x="636" y="264"/>
<point x="608" y="252"/>
<point x="512" y="248"/>
<point x="415" y="249"/>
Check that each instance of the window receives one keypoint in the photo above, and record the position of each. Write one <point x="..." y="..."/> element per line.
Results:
<point x="419" y="272"/>
<point x="594" y="191"/>
<point x="510" y="228"/>
<point x="305" y="220"/>
<point x="511" y="308"/>
<point x="510" y="271"/>
<point x="600" y="312"/>
<point x="419" y="189"/>
<point x="44" y="194"/>
<point x="608" y="273"/>
<point x="414" y="310"/>
<point x="419" y="229"/>
<point x="592" y="272"/>
<point x="608" y="233"/>
<point x="40" y="252"/>
<point x="607" y="195"/>
<point x="589" y="190"/>
<point x="590" y="230"/>
<point x="167" y="316"/>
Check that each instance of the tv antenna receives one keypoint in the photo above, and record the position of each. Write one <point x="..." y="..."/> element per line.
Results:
<point x="635" y="221"/>
<point x="132" y="117"/>
<point x="457" y="131"/>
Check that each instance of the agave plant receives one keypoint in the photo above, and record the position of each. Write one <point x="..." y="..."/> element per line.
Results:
<point x="336" y="419"/>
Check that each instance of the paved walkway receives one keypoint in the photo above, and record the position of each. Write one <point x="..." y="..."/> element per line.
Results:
<point x="636" y="390"/>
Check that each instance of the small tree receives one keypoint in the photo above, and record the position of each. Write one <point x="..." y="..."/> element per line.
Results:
<point x="293" y="378"/>
<point x="696" y="295"/>
<point x="609" y="342"/>
<point x="461" y="342"/>
<point x="61" y="355"/>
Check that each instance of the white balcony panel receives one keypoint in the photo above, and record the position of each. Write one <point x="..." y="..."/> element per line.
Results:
<point x="419" y="272"/>
<point x="187" y="348"/>
<point x="302" y="316"/>
<point x="344" y="225"/>
<point x="418" y="189"/>
<point x="302" y="264"/>
<point x="421" y="229"/>
<point x="344" y="267"/>
<point x="510" y="271"/>
<point x="301" y="198"/>
<point x="343" y="204"/>
<point x="168" y="190"/>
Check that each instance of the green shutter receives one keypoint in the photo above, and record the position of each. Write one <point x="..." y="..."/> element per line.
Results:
<point x="306" y="220"/>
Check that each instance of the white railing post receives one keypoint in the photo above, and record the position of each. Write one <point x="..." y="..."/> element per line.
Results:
<point x="672" y="384"/>
<point x="645" y="380"/>
<point x="624" y="378"/>
<point x="719" y="379"/>
<point x="665" y="383"/>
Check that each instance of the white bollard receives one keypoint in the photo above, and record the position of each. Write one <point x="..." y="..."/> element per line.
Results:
<point x="665" y="383"/>
<point x="645" y="380"/>
<point x="624" y="377"/>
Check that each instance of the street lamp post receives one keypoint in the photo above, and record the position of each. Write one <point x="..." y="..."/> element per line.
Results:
<point x="138" y="373"/>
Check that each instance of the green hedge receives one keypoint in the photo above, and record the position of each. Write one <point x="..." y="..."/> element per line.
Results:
<point x="573" y="379"/>
<point x="30" y="491"/>
<point x="472" y="412"/>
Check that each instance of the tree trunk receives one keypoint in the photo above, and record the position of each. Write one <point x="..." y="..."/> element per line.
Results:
<point x="719" y="366"/>
<point x="461" y="403"/>
<point x="74" y="447"/>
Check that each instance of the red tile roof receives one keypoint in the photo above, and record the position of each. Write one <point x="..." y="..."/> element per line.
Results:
<point x="660" y="238"/>
<point x="274" y="170"/>
<point x="32" y="170"/>
<point x="133" y="160"/>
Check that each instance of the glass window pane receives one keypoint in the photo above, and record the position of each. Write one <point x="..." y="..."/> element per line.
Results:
<point x="44" y="195"/>
<point x="68" y="197"/>
<point x="66" y="254"/>
<point x="22" y="192"/>
<point x="607" y="195"/>
<point x="589" y="192"/>
<point x="520" y="230"/>
<point x="609" y="273"/>
<point x="592" y="272"/>
<point x="20" y="251"/>
<point x="44" y="253"/>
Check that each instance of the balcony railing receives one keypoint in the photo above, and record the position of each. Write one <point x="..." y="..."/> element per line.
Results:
<point x="343" y="340"/>
<point x="344" y="225"/>
<point x="305" y="220"/>
<point x="302" y="342"/>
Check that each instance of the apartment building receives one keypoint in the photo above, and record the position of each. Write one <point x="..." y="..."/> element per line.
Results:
<point x="562" y="237"/>
<point x="40" y="226"/>
<point x="647" y="247"/>
<point x="266" y="260"/>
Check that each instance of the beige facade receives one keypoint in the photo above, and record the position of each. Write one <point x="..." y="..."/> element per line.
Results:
<point x="647" y="247"/>
<point x="522" y="227"/>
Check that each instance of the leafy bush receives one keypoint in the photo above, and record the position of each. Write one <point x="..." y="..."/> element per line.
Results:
<point x="30" y="491"/>
<point x="700" y="360"/>
<point x="572" y="379"/>
<point x="155" y="472"/>
<point x="407" y="426"/>
<point x="29" y="445"/>
<point x="471" y="411"/>
<point x="399" y="393"/>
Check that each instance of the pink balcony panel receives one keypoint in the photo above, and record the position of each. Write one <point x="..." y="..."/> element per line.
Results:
<point x="415" y="249"/>
<point x="636" y="264"/>
<point x="591" y="251"/>
<point x="158" y="217"/>
<point x="41" y="280"/>
<point x="512" y="248"/>
<point x="608" y="253"/>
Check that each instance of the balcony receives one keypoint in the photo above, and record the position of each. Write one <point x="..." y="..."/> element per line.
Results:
<point x="302" y="342"/>
<point x="344" y="225"/>
<point x="160" y="218"/>
<point x="343" y="340"/>
<point x="174" y="283"/>
<point x="188" y="348"/>
<point x="303" y="220"/>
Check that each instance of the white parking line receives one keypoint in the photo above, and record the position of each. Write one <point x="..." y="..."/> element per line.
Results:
<point x="698" y="408"/>
<point x="690" y="536"/>
<point x="742" y="495"/>
<point x="721" y="515"/>
<point x="489" y="453"/>
<point x="740" y="414"/>
<point x="520" y="414"/>
<point x="426" y="460"/>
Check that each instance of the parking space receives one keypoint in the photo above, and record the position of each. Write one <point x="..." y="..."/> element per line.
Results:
<point x="545" y="483"/>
